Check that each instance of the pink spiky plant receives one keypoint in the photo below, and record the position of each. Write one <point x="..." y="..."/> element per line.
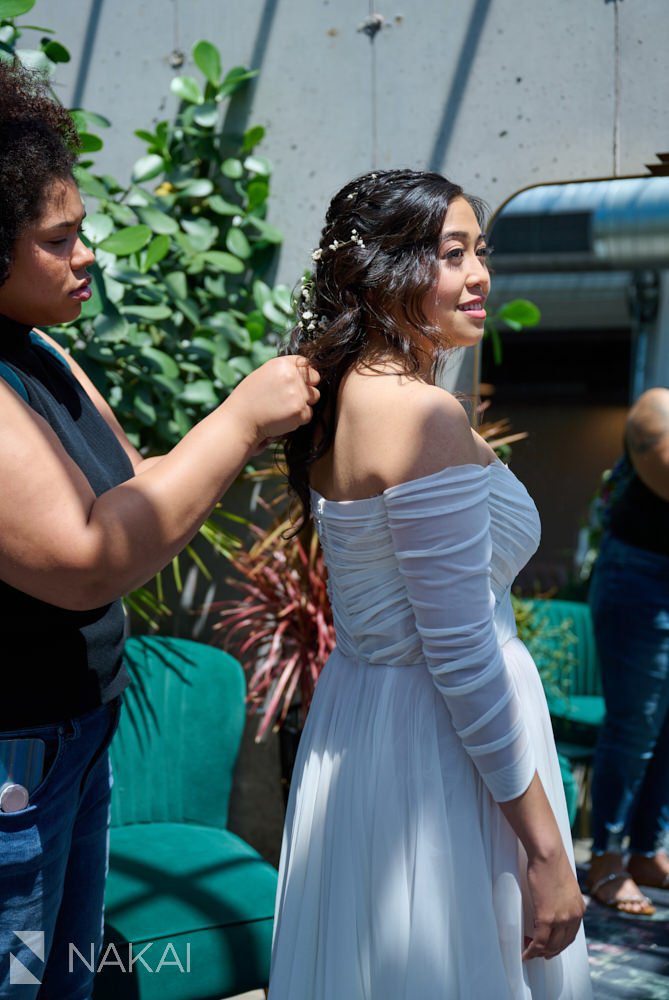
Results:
<point x="281" y="630"/>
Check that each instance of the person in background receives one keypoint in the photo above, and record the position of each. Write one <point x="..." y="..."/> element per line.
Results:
<point x="629" y="598"/>
<point x="84" y="519"/>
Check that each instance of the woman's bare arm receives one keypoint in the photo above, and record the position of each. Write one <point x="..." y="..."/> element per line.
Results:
<point x="647" y="435"/>
<point x="139" y="463"/>
<point x="60" y="543"/>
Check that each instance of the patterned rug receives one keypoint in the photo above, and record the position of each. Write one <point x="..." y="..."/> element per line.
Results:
<point x="629" y="955"/>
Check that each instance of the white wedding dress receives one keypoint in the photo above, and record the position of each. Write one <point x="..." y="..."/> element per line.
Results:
<point x="400" y="878"/>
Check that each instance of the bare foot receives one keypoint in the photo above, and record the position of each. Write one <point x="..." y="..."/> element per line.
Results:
<point x="653" y="872"/>
<point x="609" y="883"/>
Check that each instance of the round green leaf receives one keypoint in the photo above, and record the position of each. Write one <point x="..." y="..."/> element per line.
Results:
<point x="237" y="243"/>
<point x="157" y="249"/>
<point x="232" y="168"/>
<point x="165" y="363"/>
<point x="56" y="52"/>
<point x="252" y="137"/>
<point x="243" y="364"/>
<point x="267" y="232"/>
<point x="274" y="315"/>
<point x="283" y="298"/>
<point x="224" y="261"/>
<point x="177" y="284"/>
<point x="147" y="167"/>
<point x="201" y="232"/>
<point x="222" y="207"/>
<point x="258" y="165"/>
<point x="160" y="222"/>
<point x="143" y="406"/>
<point x="206" y="115"/>
<point x="520" y="312"/>
<point x="198" y="187"/>
<point x="127" y="241"/>
<point x="262" y="293"/>
<point x="208" y="60"/>
<point x="223" y="371"/>
<point x="187" y="89"/>
<point x="200" y="391"/>
<point x="14" y="8"/>
<point x="90" y="143"/>
<point x="83" y="119"/>
<point x="257" y="192"/>
<point x="148" y="312"/>
<point x="97" y="227"/>
<point x="110" y="326"/>
<point x="234" y="79"/>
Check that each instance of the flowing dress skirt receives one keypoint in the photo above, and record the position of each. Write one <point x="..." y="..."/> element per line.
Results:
<point x="400" y="878"/>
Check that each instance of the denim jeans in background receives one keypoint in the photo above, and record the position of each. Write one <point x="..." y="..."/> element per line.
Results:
<point x="629" y="598"/>
<point x="53" y="863"/>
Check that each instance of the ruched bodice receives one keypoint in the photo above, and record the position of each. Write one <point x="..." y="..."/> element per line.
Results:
<point x="373" y="618"/>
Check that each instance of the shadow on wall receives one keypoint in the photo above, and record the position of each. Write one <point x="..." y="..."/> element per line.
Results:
<point x="458" y="87"/>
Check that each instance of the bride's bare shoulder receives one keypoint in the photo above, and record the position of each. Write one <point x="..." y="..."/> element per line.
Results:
<point x="407" y="427"/>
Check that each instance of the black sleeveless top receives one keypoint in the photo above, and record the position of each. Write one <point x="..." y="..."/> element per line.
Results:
<point x="640" y="517"/>
<point x="58" y="664"/>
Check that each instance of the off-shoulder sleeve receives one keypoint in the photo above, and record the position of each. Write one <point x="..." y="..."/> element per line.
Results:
<point x="440" y="526"/>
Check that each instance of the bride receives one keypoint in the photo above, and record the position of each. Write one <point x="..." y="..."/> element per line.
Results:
<point x="426" y="851"/>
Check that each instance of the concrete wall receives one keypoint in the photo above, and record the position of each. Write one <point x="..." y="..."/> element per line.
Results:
<point x="498" y="94"/>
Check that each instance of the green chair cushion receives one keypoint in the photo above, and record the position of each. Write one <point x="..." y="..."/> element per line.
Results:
<point x="580" y="709"/>
<point x="570" y="787"/>
<point x="181" y="725"/>
<point x="184" y="883"/>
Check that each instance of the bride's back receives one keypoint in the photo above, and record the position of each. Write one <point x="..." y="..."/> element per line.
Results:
<point x="391" y="428"/>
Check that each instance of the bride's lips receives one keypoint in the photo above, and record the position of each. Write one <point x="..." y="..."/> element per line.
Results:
<point x="475" y="308"/>
<point x="83" y="292"/>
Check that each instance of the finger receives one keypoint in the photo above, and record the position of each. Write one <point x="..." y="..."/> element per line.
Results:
<point x="557" y="942"/>
<point x="309" y="374"/>
<point x="313" y="395"/>
<point x="537" y="946"/>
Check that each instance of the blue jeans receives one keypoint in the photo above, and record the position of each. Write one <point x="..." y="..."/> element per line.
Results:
<point x="629" y="598"/>
<point x="53" y="864"/>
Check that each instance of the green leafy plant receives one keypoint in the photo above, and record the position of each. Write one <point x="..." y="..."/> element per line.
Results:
<point x="552" y="647"/>
<point x="182" y="306"/>
<point x="181" y="311"/>
<point x="517" y="314"/>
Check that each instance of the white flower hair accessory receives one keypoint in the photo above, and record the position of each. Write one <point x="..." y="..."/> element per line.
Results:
<point x="354" y="238"/>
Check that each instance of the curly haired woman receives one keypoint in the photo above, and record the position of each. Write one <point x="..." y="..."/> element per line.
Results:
<point x="84" y="518"/>
<point x="426" y="850"/>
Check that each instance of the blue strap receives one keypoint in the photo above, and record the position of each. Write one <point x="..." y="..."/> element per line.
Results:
<point x="40" y="342"/>
<point x="12" y="379"/>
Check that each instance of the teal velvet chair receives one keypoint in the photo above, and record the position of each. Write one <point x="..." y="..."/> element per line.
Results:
<point x="577" y="715"/>
<point x="179" y="881"/>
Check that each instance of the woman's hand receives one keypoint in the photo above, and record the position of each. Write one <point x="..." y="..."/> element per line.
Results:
<point x="275" y="399"/>
<point x="557" y="905"/>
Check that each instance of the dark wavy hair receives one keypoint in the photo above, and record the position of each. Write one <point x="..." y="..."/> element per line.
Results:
<point x="38" y="145"/>
<point x="377" y="259"/>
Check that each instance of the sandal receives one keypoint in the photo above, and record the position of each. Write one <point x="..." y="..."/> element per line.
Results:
<point x="622" y="902"/>
<point x="661" y="883"/>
